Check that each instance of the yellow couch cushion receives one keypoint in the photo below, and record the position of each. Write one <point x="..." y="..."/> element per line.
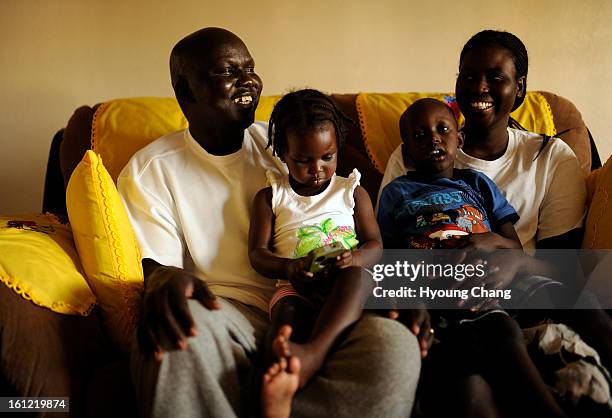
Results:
<point x="123" y="126"/>
<point x="38" y="260"/>
<point x="379" y="115"/>
<point x="107" y="246"/>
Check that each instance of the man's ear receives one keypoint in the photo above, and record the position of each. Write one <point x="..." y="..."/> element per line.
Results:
<point x="460" y="139"/>
<point x="183" y="91"/>
<point x="522" y="86"/>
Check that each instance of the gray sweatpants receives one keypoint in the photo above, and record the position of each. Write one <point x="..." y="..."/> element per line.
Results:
<point x="372" y="372"/>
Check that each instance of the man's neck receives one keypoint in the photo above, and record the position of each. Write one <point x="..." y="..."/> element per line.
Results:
<point x="486" y="144"/>
<point x="217" y="141"/>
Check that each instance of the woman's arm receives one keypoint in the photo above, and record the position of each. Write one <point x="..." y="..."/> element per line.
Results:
<point x="570" y="240"/>
<point x="261" y="230"/>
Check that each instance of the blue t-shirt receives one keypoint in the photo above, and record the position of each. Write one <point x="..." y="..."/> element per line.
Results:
<point x="418" y="213"/>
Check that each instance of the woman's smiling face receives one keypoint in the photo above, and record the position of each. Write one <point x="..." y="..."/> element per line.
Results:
<point x="487" y="86"/>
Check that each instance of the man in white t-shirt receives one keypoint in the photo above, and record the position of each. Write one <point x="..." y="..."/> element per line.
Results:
<point x="188" y="196"/>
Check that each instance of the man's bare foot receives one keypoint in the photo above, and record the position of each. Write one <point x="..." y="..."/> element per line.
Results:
<point x="311" y="359"/>
<point x="279" y="385"/>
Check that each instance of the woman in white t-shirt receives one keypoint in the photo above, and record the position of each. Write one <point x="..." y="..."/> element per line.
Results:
<point x="539" y="176"/>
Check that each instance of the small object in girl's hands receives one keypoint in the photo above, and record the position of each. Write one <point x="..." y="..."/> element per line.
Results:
<point x="323" y="257"/>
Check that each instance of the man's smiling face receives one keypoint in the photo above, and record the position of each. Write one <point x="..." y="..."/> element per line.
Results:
<point x="224" y="86"/>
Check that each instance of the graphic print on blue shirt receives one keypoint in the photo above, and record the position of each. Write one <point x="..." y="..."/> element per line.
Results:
<point x="415" y="213"/>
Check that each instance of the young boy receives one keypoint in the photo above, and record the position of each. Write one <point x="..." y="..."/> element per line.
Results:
<point x="427" y="207"/>
<point x="439" y="206"/>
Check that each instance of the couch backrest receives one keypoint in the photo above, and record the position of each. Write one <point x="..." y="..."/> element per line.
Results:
<point x="118" y="128"/>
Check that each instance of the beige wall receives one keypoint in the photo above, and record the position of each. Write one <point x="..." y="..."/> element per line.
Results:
<point x="58" y="54"/>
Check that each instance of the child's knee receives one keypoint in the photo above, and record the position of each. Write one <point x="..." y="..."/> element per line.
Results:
<point x="502" y="330"/>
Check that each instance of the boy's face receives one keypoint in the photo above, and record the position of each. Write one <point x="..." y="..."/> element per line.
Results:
<point x="224" y="84"/>
<point x="431" y="138"/>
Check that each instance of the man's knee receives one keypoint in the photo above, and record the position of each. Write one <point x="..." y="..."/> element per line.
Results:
<point x="396" y="353"/>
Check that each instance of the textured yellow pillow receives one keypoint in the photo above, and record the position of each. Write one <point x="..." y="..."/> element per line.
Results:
<point x="38" y="260"/>
<point x="107" y="246"/>
<point x="123" y="126"/>
<point x="598" y="228"/>
<point x="379" y="115"/>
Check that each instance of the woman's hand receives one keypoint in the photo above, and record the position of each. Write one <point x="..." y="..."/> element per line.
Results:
<point x="165" y="321"/>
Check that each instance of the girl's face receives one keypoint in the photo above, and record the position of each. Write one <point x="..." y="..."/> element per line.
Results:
<point x="487" y="86"/>
<point x="311" y="158"/>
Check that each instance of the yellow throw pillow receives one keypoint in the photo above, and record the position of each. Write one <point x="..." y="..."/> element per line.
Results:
<point x="123" y="126"/>
<point x="107" y="246"/>
<point x="38" y="260"/>
<point x="598" y="228"/>
<point x="379" y="115"/>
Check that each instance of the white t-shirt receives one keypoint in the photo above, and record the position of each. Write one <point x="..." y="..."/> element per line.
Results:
<point x="548" y="193"/>
<point x="191" y="209"/>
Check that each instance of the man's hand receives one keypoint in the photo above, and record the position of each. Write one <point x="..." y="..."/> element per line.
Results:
<point x="165" y="321"/>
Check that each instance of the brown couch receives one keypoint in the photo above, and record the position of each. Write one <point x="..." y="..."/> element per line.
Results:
<point x="47" y="354"/>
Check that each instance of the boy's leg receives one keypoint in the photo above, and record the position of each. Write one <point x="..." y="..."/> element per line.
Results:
<point x="207" y="379"/>
<point x="372" y="371"/>
<point x="510" y="371"/>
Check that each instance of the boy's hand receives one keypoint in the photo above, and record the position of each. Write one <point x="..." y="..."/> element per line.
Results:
<point x="165" y="320"/>
<point x="485" y="242"/>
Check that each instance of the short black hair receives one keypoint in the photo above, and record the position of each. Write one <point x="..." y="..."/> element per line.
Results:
<point x="301" y="111"/>
<point x="403" y="121"/>
<point x="190" y="52"/>
<point x="506" y="40"/>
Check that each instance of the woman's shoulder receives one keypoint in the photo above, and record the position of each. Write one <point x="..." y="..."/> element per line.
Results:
<point x="539" y="146"/>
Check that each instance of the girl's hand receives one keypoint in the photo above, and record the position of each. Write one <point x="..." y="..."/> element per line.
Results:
<point x="296" y="270"/>
<point x="346" y="259"/>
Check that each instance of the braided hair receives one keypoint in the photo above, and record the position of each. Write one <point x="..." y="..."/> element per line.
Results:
<point x="514" y="46"/>
<point x="302" y="111"/>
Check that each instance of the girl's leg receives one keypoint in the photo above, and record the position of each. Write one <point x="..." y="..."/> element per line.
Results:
<point x="280" y="382"/>
<point x="343" y="306"/>
<point x="281" y="377"/>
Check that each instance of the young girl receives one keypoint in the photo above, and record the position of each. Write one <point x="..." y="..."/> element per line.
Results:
<point x="310" y="208"/>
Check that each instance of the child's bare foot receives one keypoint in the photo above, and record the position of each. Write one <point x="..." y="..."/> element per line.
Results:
<point x="279" y="385"/>
<point x="310" y="358"/>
